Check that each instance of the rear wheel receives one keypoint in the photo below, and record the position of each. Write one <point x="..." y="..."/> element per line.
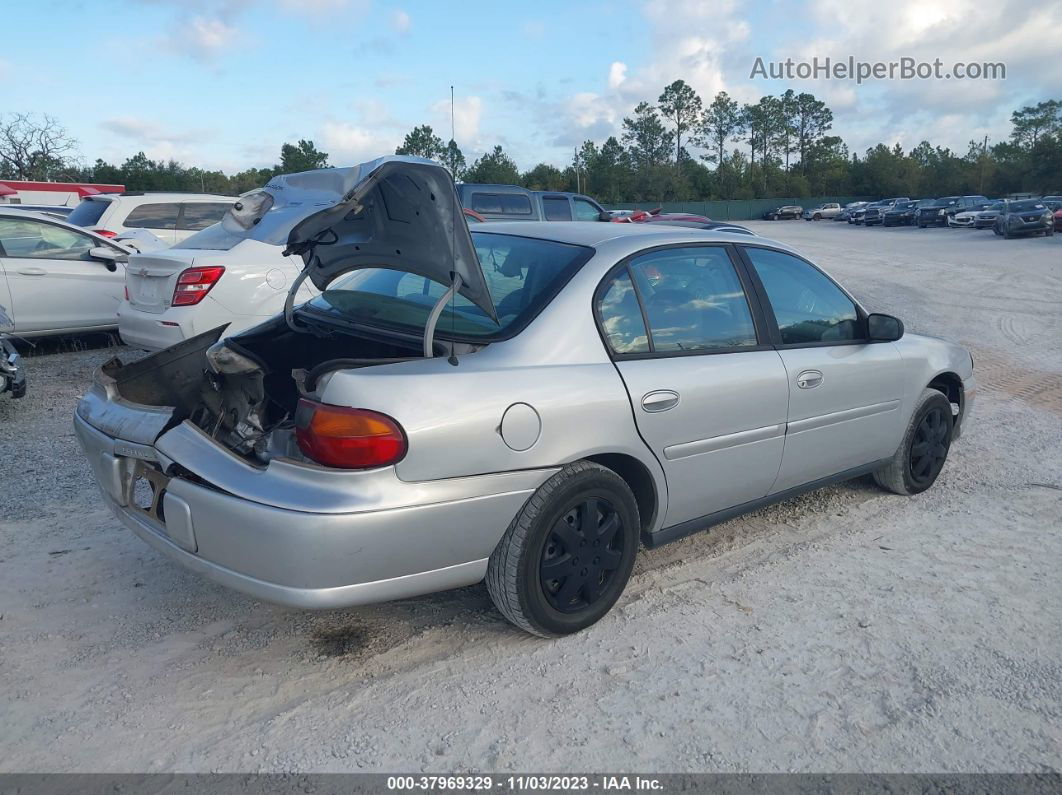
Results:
<point x="568" y="554"/>
<point x="918" y="461"/>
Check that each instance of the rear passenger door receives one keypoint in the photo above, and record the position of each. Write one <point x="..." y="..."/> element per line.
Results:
<point x="708" y="391"/>
<point x="844" y="391"/>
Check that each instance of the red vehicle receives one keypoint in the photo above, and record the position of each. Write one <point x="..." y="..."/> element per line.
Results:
<point x="68" y="194"/>
<point x="649" y="216"/>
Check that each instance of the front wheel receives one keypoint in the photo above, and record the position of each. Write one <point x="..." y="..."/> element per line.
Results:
<point x="567" y="556"/>
<point x="918" y="461"/>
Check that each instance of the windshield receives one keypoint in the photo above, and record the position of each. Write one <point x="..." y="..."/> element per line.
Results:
<point x="523" y="274"/>
<point x="1026" y="206"/>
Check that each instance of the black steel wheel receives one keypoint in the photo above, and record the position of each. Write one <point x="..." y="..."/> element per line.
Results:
<point x="920" y="457"/>
<point x="568" y="554"/>
<point x="583" y="551"/>
<point x="929" y="447"/>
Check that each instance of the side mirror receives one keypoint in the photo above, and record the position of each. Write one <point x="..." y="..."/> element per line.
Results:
<point x="884" y="328"/>
<point x="604" y="215"/>
<point x="108" y="256"/>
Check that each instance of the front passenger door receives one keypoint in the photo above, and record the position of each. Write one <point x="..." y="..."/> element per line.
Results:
<point x="709" y="394"/>
<point x="844" y="391"/>
<point x="54" y="284"/>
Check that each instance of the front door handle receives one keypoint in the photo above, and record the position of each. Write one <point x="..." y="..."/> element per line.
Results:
<point x="28" y="271"/>
<point x="809" y="379"/>
<point x="660" y="400"/>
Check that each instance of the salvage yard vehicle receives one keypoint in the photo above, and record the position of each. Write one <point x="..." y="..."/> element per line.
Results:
<point x="986" y="216"/>
<point x="171" y="217"/>
<point x="849" y="209"/>
<point x="56" y="278"/>
<point x="786" y="212"/>
<point x="514" y="203"/>
<point x="1025" y="217"/>
<point x="822" y="211"/>
<point x="900" y="214"/>
<point x="524" y="403"/>
<point x="217" y="277"/>
<point x="940" y="211"/>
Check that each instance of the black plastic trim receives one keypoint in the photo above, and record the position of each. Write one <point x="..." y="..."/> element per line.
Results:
<point x="673" y="533"/>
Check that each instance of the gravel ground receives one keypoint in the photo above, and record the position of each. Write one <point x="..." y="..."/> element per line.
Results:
<point x="847" y="630"/>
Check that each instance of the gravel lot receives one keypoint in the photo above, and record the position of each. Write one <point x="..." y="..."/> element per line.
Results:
<point x="848" y="630"/>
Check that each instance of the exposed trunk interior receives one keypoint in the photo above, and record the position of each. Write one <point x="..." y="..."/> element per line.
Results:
<point x="246" y="398"/>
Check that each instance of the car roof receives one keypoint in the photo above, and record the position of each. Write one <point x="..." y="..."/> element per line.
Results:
<point x="167" y="197"/>
<point x="597" y="233"/>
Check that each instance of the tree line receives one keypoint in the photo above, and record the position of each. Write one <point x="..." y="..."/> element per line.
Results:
<point x="676" y="149"/>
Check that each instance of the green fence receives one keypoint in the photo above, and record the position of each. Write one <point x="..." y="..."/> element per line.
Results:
<point x="735" y="209"/>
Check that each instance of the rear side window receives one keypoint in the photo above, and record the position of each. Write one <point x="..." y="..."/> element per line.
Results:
<point x="501" y="203"/>
<point x="556" y="208"/>
<point x="200" y="215"/>
<point x="692" y="297"/>
<point x="621" y="316"/>
<point x="153" y="216"/>
<point x="808" y="306"/>
<point x="88" y="212"/>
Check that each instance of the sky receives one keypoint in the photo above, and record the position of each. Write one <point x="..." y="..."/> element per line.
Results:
<point x="223" y="83"/>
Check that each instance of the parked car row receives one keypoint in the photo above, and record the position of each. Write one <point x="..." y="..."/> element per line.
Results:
<point x="1007" y="218"/>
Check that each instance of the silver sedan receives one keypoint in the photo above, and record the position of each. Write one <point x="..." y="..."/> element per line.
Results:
<point x="526" y="404"/>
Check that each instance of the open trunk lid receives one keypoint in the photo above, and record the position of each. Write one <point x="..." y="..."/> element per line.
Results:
<point x="394" y="212"/>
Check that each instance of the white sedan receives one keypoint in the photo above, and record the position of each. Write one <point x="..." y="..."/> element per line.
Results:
<point x="214" y="278"/>
<point x="56" y="278"/>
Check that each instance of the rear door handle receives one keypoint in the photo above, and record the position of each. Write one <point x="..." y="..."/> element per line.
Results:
<point x="809" y="379"/>
<point x="660" y="400"/>
<point x="28" y="271"/>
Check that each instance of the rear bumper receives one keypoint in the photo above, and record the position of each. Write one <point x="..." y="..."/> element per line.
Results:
<point x="153" y="331"/>
<point x="387" y="540"/>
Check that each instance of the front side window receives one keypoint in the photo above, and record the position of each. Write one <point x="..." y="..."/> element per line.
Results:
<point x="523" y="274"/>
<point x="200" y="215"/>
<point x="31" y="239"/>
<point x="585" y="211"/>
<point x="556" y="208"/>
<point x="153" y="216"/>
<point x="808" y="306"/>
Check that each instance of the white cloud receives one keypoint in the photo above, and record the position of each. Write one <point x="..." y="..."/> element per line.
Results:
<point x="349" y="145"/>
<point x="617" y="73"/>
<point x="468" y="112"/>
<point x="144" y="131"/>
<point x="401" y="21"/>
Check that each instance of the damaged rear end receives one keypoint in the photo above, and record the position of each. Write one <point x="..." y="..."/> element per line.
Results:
<point x="221" y="453"/>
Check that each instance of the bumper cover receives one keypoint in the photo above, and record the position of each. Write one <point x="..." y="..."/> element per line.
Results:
<point x="386" y="540"/>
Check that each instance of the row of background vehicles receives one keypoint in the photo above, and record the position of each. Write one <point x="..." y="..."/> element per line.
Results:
<point x="1006" y="217"/>
<point x="162" y="267"/>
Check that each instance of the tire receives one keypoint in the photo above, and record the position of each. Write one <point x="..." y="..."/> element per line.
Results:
<point x="921" y="226"/>
<point x="549" y="532"/>
<point x="816" y="217"/>
<point x="917" y="463"/>
<point x="1049" y="232"/>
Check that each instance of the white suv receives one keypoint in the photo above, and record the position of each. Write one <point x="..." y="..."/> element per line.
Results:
<point x="171" y="217"/>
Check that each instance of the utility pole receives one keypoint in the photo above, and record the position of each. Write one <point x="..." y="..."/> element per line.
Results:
<point x="984" y="159"/>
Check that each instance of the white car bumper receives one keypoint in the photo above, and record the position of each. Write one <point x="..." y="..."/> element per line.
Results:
<point x="153" y="331"/>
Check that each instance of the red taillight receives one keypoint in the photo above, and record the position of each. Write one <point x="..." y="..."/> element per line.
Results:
<point x="347" y="438"/>
<point x="126" y="288"/>
<point x="105" y="233"/>
<point x="194" y="283"/>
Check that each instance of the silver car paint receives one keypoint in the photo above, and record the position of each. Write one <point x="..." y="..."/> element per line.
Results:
<point x="309" y="536"/>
